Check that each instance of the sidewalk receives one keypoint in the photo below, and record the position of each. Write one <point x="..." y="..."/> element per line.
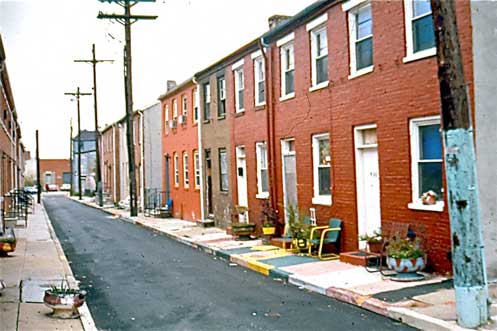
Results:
<point x="427" y="304"/>
<point x="37" y="263"/>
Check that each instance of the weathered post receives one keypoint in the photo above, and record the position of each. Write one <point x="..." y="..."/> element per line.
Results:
<point x="470" y="280"/>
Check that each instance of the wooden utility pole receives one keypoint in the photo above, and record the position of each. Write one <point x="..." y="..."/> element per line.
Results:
<point x="470" y="279"/>
<point x="98" y="173"/>
<point x="77" y="94"/>
<point x="127" y="19"/>
<point x="38" y="186"/>
<point x="70" y="159"/>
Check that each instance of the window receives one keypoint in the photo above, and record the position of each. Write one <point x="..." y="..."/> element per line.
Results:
<point x="319" y="52"/>
<point x="176" y="170"/>
<point x="262" y="171"/>
<point x="185" y="106"/>
<point x="175" y="109"/>
<point x="221" y="97"/>
<point x="207" y="101"/>
<point x="195" y="105"/>
<point x="259" y="79"/>
<point x="426" y="156"/>
<point x="361" y="40"/>
<point x="321" y="169"/>
<point x="196" y="160"/>
<point x="420" y="36"/>
<point x="166" y="110"/>
<point x="287" y="71"/>
<point x="186" y="180"/>
<point x="239" y="90"/>
<point x="223" y="170"/>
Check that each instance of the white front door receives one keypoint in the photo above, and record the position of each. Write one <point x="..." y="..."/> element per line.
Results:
<point x="241" y="172"/>
<point x="289" y="176"/>
<point x="368" y="180"/>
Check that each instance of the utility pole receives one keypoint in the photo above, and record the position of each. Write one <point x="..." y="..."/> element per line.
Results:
<point x="70" y="159"/>
<point x="470" y="279"/>
<point x="127" y="19"/>
<point x="98" y="173"/>
<point x="38" y="186"/>
<point x="77" y="94"/>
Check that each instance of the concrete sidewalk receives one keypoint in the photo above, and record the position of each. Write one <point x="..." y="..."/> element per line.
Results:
<point x="37" y="263"/>
<point x="427" y="304"/>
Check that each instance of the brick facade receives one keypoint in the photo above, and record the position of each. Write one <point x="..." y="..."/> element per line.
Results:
<point x="57" y="168"/>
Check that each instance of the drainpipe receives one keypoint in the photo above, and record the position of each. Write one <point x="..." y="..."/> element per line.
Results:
<point x="142" y="165"/>
<point x="114" y="186"/>
<point x="269" y="123"/>
<point x="200" y="154"/>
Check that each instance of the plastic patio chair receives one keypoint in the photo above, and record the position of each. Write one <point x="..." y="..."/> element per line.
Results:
<point x="328" y="234"/>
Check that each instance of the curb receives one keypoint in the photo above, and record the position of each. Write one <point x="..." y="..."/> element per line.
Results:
<point x="85" y="314"/>
<point x="401" y="314"/>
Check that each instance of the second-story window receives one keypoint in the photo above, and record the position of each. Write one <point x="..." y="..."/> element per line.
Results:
<point x="420" y="37"/>
<point x="319" y="51"/>
<point x="287" y="71"/>
<point x="221" y="97"/>
<point x="175" y="109"/>
<point x="259" y="79"/>
<point x="196" y="104"/>
<point x="239" y="89"/>
<point x="361" y="40"/>
<point x="166" y="116"/>
<point x="207" y="101"/>
<point x="184" y="110"/>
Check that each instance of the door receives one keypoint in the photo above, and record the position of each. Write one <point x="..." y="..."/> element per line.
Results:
<point x="208" y="182"/>
<point x="368" y="181"/>
<point x="241" y="180"/>
<point x="289" y="176"/>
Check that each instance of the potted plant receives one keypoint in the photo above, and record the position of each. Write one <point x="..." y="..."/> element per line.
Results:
<point x="7" y="241"/>
<point x="374" y="241"/>
<point x="64" y="300"/>
<point x="268" y="218"/>
<point x="299" y="227"/>
<point x="239" y="224"/>
<point x="405" y="255"/>
<point x="429" y="198"/>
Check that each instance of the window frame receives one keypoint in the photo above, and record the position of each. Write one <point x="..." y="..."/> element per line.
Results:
<point x="320" y="199"/>
<point x="237" y="73"/>
<point x="221" y="97"/>
<point x="284" y="68"/>
<point x="175" y="109"/>
<point x="352" y="19"/>
<point x="410" y="54"/>
<point x="184" y="110"/>
<point x="260" y="193"/>
<point x="186" y="174"/>
<point x="166" y="119"/>
<point x="196" y="103"/>
<point x="176" y="169"/>
<point x="259" y="64"/>
<point x="220" y="152"/>
<point x="196" y="168"/>
<point x="206" y="87"/>
<point x="414" y="125"/>
<point x="315" y="28"/>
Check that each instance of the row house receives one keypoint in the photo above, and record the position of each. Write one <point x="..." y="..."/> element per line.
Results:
<point x="12" y="152"/>
<point x="181" y="156"/>
<point x="334" y="111"/>
<point x="55" y="172"/>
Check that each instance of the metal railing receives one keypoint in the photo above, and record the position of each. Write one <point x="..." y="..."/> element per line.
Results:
<point x="157" y="203"/>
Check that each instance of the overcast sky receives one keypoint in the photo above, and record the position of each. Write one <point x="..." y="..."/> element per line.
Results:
<point x="42" y="38"/>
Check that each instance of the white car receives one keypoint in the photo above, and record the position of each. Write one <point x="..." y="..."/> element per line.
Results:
<point x="65" y="187"/>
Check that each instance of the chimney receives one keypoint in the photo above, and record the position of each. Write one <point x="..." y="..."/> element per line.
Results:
<point x="170" y="85"/>
<point x="276" y="20"/>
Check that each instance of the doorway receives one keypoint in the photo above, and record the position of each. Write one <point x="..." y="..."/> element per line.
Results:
<point x="241" y="180"/>
<point x="208" y="182"/>
<point x="288" y="161"/>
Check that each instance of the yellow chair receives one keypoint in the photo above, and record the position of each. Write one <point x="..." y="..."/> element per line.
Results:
<point x="328" y="234"/>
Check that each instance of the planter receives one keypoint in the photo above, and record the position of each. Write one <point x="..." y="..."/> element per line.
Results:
<point x="268" y="230"/>
<point x="406" y="265"/>
<point x="8" y="242"/>
<point x="64" y="305"/>
<point x="375" y="246"/>
<point x="242" y="230"/>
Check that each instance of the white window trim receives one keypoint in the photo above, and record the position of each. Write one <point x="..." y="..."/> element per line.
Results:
<point x="238" y="64"/>
<point x="175" y="109"/>
<point x="167" y="113"/>
<point x="184" y="105"/>
<point x="196" y="104"/>
<point x="196" y="168"/>
<point x="312" y="36"/>
<point x="317" y="199"/>
<point x="348" y="5"/>
<point x="185" y="171"/>
<point x="256" y="54"/>
<point x="256" y="80"/>
<point x="176" y="170"/>
<point x="416" y="203"/>
<point x="316" y="22"/>
<point x="410" y="55"/>
<point x="260" y="194"/>
<point x="237" y="89"/>
<point x="283" y="63"/>
<point x="285" y="40"/>
<point x="352" y="41"/>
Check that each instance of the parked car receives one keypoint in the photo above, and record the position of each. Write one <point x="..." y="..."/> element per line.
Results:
<point x="65" y="187"/>
<point x="31" y="189"/>
<point x="51" y="187"/>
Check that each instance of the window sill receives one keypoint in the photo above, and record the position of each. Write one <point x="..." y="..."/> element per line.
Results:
<point x="262" y="104"/>
<point x="264" y="195"/>
<point x="288" y="96"/>
<point x="361" y="72"/>
<point x="438" y="207"/>
<point x="222" y="117"/>
<point x="207" y="121"/>
<point x="223" y="192"/>
<point x="322" y="200"/>
<point x="420" y="55"/>
<point x="319" y="86"/>
<point x="260" y="107"/>
<point x="238" y="114"/>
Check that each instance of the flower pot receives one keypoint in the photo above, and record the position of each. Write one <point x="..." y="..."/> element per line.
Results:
<point x="406" y="265"/>
<point x="242" y="230"/>
<point x="300" y="243"/>
<point x="64" y="305"/>
<point x="375" y="246"/>
<point x="268" y="230"/>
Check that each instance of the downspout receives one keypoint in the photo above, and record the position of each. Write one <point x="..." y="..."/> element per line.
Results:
<point x="269" y="122"/>
<point x="200" y="152"/>
<point x="142" y="165"/>
<point x="114" y="186"/>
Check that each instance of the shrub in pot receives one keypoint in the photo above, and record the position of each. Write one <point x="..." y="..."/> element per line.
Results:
<point x="374" y="241"/>
<point x="405" y="255"/>
<point x="64" y="301"/>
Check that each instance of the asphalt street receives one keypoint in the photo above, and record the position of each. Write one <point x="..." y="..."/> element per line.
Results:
<point x="140" y="280"/>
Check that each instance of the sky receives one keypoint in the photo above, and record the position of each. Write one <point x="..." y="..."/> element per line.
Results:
<point x="42" y="38"/>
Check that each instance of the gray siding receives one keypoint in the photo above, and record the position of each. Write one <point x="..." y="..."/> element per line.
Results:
<point x="152" y="149"/>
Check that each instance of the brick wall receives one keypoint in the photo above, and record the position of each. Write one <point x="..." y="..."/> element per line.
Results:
<point x="57" y="167"/>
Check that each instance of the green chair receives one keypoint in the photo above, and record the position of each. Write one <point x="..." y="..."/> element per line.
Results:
<point x="328" y="234"/>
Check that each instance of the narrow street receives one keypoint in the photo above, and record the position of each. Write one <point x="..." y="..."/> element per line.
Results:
<point x="139" y="280"/>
